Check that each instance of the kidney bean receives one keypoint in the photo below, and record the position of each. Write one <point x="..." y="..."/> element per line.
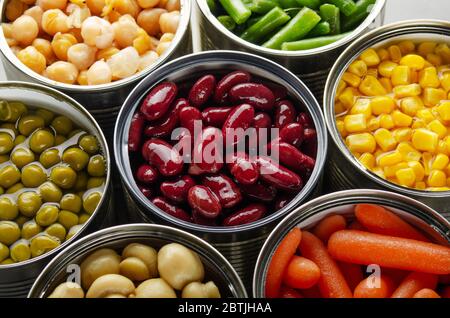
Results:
<point x="227" y="82"/>
<point x="199" y="219"/>
<point x="204" y="201"/>
<point x="135" y="132"/>
<point x="310" y="134"/>
<point x="309" y="146"/>
<point x="240" y="117"/>
<point x="262" y="120"/>
<point x="164" y="126"/>
<point x="207" y="154"/>
<point x="259" y="191"/>
<point x="292" y="134"/>
<point x="146" y="191"/>
<point x="146" y="174"/>
<point x="249" y="214"/>
<point x="305" y="120"/>
<point x="254" y="94"/>
<point x="292" y="157"/>
<point x="171" y="209"/>
<point x="189" y="116"/>
<point x="280" y="92"/>
<point x="202" y="90"/>
<point x="278" y="176"/>
<point x="157" y="102"/>
<point x="284" y="113"/>
<point x="242" y="168"/>
<point x="216" y="116"/>
<point x="177" y="190"/>
<point x="160" y="154"/>
<point x="224" y="188"/>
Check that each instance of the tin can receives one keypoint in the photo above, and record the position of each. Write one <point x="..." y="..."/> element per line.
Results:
<point x="102" y="101"/>
<point x="341" y="160"/>
<point x="217" y="268"/>
<point x="308" y="215"/>
<point x="16" y="279"/>
<point x="312" y="66"/>
<point x="240" y="245"/>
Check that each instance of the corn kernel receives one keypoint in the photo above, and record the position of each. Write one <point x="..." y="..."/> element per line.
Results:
<point x="370" y="86"/>
<point x="448" y="182"/>
<point x="426" y="115"/>
<point x="361" y="143"/>
<point x="407" y="46"/>
<point x="374" y="123"/>
<point x="428" y="78"/>
<point x="351" y="79"/>
<point x="386" y="82"/>
<point x="359" y="68"/>
<point x="418" y="123"/>
<point x="447" y="170"/>
<point x="437" y="178"/>
<point x="432" y="96"/>
<point x="383" y="54"/>
<point x="390" y="171"/>
<point x="385" y="140"/>
<point x="347" y="98"/>
<point x="395" y="53"/>
<point x="445" y="81"/>
<point x="341" y="86"/>
<point x="411" y="105"/>
<point x="447" y="142"/>
<point x="407" y="90"/>
<point x="367" y="160"/>
<point x="418" y="169"/>
<point x="370" y="57"/>
<point x="440" y="162"/>
<point x="414" y="77"/>
<point x="413" y="61"/>
<point x="339" y="108"/>
<point x="386" y="121"/>
<point x="437" y="127"/>
<point x="402" y="134"/>
<point x="386" y="68"/>
<point x="420" y="186"/>
<point x="372" y="72"/>
<point x="355" y="123"/>
<point x="444" y="52"/>
<point x="362" y="106"/>
<point x="389" y="159"/>
<point x="379" y="172"/>
<point x="401" y="75"/>
<point x="382" y="105"/>
<point x="341" y="128"/>
<point x="442" y="147"/>
<point x="406" y="177"/>
<point x="434" y="59"/>
<point x="426" y="48"/>
<point x="425" y="140"/>
<point x="427" y="159"/>
<point x="408" y="152"/>
<point x="401" y="119"/>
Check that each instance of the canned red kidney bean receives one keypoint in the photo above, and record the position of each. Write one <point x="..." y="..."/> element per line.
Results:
<point x="190" y="173"/>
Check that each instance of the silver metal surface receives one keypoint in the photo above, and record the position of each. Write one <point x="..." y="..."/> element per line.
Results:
<point x="340" y="159"/>
<point x="238" y="244"/>
<point x="16" y="279"/>
<point x="312" y="66"/>
<point x="217" y="268"/>
<point x="308" y="215"/>
<point x="102" y="101"/>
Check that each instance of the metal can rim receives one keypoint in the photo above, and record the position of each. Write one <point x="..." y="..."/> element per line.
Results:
<point x="160" y="74"/>
<point x="377" y="8"/>
<point x="183" y="27"/>
<point x="381" y="34"/>
<point x="73" y="103"/>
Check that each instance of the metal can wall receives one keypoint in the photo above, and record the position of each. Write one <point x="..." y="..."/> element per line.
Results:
<point x="341" y="160"/>
<point x="240" y="244"/>
<point x="16" y="279"/>
<point x="342" y="203"/>
<point x="312" y="66"/>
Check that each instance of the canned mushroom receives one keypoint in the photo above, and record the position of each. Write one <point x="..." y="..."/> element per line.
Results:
<point x="54" y="176"/>
<point x="391" y="110"/>
<point x="175" y="179"/>
<point x="358" y="243"/>
<point x="140" y="261"/>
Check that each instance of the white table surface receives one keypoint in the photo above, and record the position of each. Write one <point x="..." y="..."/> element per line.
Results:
<point x="397" y="10"/>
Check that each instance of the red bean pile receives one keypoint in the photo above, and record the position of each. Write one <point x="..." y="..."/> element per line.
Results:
<point x="229" y="192"/>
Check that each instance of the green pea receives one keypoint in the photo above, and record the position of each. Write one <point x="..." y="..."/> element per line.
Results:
<point x="82" y="180"/>
<point x="62" y="125"/>
<point x="59" y="139"/>
<point x="83" y="218"/>
<point x="64" y="177"/>
<point x="57" y="230"/>
<point x="89" y="144"/>
<point x="18" y="186"/>
<point x="11" y="111"/>
<point x="74" y="132"/>
<point x="76" y="158"/>
<point x="9" y="232"/>
<point x="95" y="182"/>
<point x="9" y="175"/>
<point x="96" y="166"/>
<point x="29" y="203"/>
<point x="2" y="190"/>
<point x="4" y="252"/>
<point x="33" y="176"/>
<point x="41" y="140"/>
<point x="30" y="229"/>
<point x="71" y="202"/>
<point x="46" y="115"/>
<point x="8" y="209"/>
<point x="22" y="157"/>
<point x="7" y="261"/>
<point x="47" y="215"/>
<point x="21" y="220"/>
<point x="42" y="244"/>
<point x="6" y="143"/>
<point x="4" y="158"/>
<point x="20" y="251"/>
<point x="28" y="124"/>
<point x="67" y="219"/>
<point x="73" y="230"/>
<point x="50" y="192"/>
<point x="91" y="202"/>
<point x="50" y="158"/>
<point x="20" y="139"/>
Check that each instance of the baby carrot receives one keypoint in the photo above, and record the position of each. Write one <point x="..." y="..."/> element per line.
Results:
<point x="352" y="272"/>
<point x="396" y="274"/>
<point x="388" y="251"/>
<point x="355" y="225"/>
<point x="414" y="282"/>
<point x="426" y="293"/>
<point x="328" y="226"/>
<point x="287" y="292"/>
<point x="301" y="273"/>
<point x="332" y="283"/>
<point x="312" y="292"/>
<point x="374" y="287"/>
<point x="445" y="292"/>
<point x="381" y="221"/>
<point x="280" y="260"/>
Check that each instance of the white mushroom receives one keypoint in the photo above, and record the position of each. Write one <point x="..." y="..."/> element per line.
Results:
<point x="101" y="262"/>
<point x="155" y="288"/>
<point x="145" y="253"/>
<point x="199" y="290"/>
<point x="135" y="269"/>
<point x="67" y="290"/>
<point x="110" y="284"/>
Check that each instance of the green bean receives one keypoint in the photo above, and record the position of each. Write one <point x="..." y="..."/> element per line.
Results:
<point x="347" y="7"/>
<point x="212" y="5"/>
<point x="227" y="22"/>
<point x="363" y="8"/>
<point x="292" y="11"/>
<point x="330" y="14"/>
<point x="313" y="43"/>
<point x="322" y="28"/>
<point x="312" y="4"/>
<point x="263" y="6"/>
<point x="286" y="4"/>
<point x="237" y="10"/>
<point x="266" y="25"/>
<point x="296" y="29"/>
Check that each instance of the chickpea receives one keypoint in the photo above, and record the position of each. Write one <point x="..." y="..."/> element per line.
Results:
<point x="125" y="63"/>
<point x="123" y="7"/>
<point x="61" y="44"/>
<point x="77" y="34"/>
<point x="147" y="60"/>
<point x="61" y="71"/>
<point x="148" y="19"/>
<point x="155" y="288"/>
<point x="7" y="30"/>
<point x="14" y="9"/>
<point x="125" y="31"/>
<point x="33" y="59"/>
<point x="52" y="4"/>
<point x="162" y="47"/>
<point x="77" y="15"/>
<point x="45" y="48"/>
<point x="82" y="78"/>
<point x="25" y="29"/>
<point x="99" y="73"/>
<point x="95" y="6"/>
<point x="67" y="290"/>
<point x="170" y="5"/>
<point x="110" y="284"/>
<point x="168" y="22"/>
<point x="97" y="32"/>
<point x="167" y="37"/>
<point x="54" y="21"/>
<point x="36" y="13"/>
<point x="101" y="262"/>
<point x="81" y="55"/>
<point x="145" y="4"/>
<point x="105" y="54"/>
<point x="199" y="290"/>
<point x="29" y="2"/>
